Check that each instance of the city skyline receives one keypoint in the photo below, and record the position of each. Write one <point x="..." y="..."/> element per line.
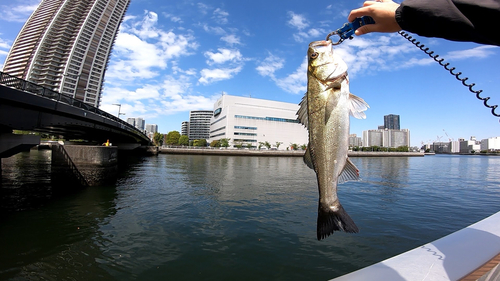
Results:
<point x="171" y="58"/>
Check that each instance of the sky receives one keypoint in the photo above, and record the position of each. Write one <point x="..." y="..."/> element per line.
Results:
<point x="171" y="57"/>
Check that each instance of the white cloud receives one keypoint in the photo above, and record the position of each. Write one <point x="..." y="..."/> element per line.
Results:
<point x="294" y="83"/>
<point x="297" y="21"/>
<point x="141" y="49"/>
<point x="270" y="65"/>
<point x="477" y="52"/>
<point x="303" y="35"/>
<point x="223" y="56"/>
<point x="231" y="39"/>
<point x="220" y="16"/>
<point x="214" y="30"/>
<point x="18" y="13"/>
<point x="209" y="76"/>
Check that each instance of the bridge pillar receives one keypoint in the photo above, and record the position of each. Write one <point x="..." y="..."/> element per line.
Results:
<point x="87" y="165"/>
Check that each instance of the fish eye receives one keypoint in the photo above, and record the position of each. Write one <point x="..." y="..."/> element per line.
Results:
<point x="314" y="55"/>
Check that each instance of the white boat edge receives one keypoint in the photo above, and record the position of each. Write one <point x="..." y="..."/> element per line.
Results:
<point x="451" y="257"/>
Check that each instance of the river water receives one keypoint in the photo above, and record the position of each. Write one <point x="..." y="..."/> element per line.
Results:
<point x="189" y="217"/>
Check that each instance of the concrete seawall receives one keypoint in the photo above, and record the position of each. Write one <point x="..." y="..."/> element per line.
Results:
<point x="278" y="153"/>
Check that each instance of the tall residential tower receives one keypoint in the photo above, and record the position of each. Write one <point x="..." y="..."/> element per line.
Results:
<point x="65" y="46"/>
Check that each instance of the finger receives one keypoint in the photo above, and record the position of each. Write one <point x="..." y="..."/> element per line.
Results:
<point x="369" y="3"/>
<point x="357" y="13"/>
<point x="364" y="30"/>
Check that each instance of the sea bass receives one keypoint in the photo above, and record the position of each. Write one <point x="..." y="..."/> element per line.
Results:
<point x="325" y="111"/>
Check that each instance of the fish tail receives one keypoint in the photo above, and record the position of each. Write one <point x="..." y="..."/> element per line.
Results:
<point x="330" y="221"/>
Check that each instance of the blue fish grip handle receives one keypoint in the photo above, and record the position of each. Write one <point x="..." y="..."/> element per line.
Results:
<point x="348" y="29"/>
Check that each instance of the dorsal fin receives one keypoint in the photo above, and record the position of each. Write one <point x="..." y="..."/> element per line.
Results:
<point x="302" y="112"/>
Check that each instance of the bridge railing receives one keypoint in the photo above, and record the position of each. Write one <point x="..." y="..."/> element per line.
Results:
<point x="26" y="86"/>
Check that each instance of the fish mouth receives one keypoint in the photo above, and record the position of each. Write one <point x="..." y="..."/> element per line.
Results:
<point x="320" y="43"/>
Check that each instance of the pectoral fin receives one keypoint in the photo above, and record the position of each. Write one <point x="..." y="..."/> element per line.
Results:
<point x="356" y="107"/>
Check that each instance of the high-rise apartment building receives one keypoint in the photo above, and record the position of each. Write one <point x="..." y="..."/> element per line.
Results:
<point x="199" y="124"/>
<point x="65" y="46"/>
<point x="137" y="122"/>
<point x="185" y="128"/>
<point x="391" y="121"/>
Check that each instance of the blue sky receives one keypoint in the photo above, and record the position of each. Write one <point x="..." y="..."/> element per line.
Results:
<point x="171" y="57"/>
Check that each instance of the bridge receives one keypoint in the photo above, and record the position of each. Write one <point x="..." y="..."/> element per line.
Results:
<point x="30" y="107"/>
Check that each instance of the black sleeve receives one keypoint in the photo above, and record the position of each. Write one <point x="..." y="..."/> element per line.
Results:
<point x="458" y="20"/>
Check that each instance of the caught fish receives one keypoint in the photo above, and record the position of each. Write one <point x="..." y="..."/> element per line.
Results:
<point x="325" y="111"/>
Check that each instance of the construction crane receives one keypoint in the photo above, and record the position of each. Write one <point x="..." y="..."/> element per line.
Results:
<point x="450" y="139"/>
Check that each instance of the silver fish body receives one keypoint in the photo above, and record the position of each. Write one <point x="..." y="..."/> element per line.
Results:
<point x="325" y="111"/>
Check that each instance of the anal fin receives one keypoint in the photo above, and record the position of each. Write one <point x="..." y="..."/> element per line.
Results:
<point x="349" y="173"/>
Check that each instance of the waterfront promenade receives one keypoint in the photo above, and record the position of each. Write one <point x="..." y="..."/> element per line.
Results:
<point x="275" y="153"/>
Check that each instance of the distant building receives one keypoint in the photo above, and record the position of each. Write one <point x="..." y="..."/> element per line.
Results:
<point x="138" y="122"/>
<point x="491" y="144"/>
<point x="131" y="121"/>
<point x="467" y="146"/>
<point x="151" y="128"/>
<point x="354" y="141"/>
<point x="199" y="124"/>
<point x="446" y="147"/>
<point x="386" y="138"/>
<point x="65" y="46"/>
<point x="391" y="121"/>
<point x="185" y="128"/>
<point x="249" y="121"/>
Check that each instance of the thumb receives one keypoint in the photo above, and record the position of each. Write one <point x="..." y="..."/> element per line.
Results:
<point x="364" y="29"/>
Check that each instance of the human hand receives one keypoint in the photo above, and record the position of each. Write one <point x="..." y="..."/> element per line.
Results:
<point x="383" y="13"/>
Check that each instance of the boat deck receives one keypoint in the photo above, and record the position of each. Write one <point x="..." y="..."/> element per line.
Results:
<point x="489" y="271"/>
<point x="473" y="252"/>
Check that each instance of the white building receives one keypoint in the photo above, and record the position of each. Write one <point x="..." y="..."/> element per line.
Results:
<point x="199" y="124"/>
<point x="249" y="121"/>
<point x="65" y="46"/>
<point x="467" y="146"/>
<point x="386" y="138"/>
<point x="137" y="122"/>
<point x="491" y="144"/>
<point x="354" y="140"/>
<point x="185" y="128"/>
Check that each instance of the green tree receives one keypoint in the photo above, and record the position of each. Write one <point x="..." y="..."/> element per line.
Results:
<point x="172" y="138"/>
<point x="277" y="144"/>
<point x="224" y="142"/>
<point x="158" y="139"/>
<point x="267" y="144"/>
<point x="201" y="143"/>
<point x="184" y="140"/>
<point x="215" y="143"/>
<point x="261" y="144"/>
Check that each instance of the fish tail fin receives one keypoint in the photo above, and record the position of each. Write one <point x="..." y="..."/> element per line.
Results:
<point x="330" y="221"/>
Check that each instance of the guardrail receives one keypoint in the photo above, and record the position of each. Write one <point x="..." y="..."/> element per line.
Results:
<point x="26" y="86"/>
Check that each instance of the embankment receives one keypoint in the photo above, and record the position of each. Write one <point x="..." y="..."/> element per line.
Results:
<point x="279" y="153"/>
